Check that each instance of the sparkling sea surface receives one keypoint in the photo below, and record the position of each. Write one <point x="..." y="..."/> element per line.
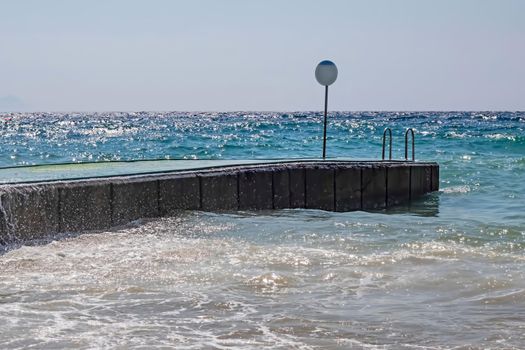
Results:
<point x="448" y="272"/>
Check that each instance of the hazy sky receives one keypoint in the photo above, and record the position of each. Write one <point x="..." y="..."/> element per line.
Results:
<point x="224" y="55"/>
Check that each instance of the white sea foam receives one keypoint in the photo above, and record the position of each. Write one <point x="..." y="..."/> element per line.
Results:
<point x="499" y="136"/>
<point x="461" y="189"/>
<point x="222" y="281"/>
<point x="456" y="135"/>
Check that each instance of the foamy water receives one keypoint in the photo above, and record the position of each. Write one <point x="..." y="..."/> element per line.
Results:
<point x="287" y="279"/>
<point x="445" y="273"/>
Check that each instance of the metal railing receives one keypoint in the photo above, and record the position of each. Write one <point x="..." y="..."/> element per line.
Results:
<point x="389" y="131"/>
<point x="384" y="143"/>
<point x="413" y="144"/>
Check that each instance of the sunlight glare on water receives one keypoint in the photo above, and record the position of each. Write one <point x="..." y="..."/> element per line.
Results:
<point x="447" y="272"/>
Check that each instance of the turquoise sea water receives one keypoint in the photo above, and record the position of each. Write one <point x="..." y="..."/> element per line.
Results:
<point x="448" y="272"/>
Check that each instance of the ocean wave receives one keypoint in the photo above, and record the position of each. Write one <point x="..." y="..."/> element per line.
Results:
<point x="270" y="282"/>
<point x="260" y="280"/>
<point x="501" y="297"/>
<point x="461" y="189"/>
<point x="499" y="136"/>
<point x="457" y="135"/>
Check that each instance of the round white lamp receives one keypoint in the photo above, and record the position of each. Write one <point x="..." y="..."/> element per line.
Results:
<point x="326" y="74"/>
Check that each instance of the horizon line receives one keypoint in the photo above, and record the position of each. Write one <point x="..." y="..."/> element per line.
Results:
<point x="272" y="111"/>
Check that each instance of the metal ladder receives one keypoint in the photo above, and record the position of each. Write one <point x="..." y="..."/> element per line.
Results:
<point x="413" y="144"/>
<point x="390" y="144"/>
<point x="409" y="130"/>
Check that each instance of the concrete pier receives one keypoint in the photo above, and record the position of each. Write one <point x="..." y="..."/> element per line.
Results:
<point x="31" y="211"/>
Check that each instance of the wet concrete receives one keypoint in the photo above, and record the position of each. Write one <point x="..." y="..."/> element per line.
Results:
<point x="31" y="211"/>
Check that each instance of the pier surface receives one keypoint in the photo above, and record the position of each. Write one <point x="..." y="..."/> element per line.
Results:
<point x="43" y="200"/>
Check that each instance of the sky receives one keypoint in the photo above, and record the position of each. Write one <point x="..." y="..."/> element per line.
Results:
<point x="260" y="55"/>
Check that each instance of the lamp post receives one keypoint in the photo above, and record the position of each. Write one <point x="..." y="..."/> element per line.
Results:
<point x="326" y="74"/>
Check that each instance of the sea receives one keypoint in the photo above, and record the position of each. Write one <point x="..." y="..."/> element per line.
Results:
<point x="446" y="272"/>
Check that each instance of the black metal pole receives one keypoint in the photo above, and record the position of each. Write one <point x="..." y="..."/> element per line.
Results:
<point x="325" y="110"/>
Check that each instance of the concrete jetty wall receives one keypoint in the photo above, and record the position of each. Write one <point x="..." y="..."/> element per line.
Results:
<point x="32" y="211"/>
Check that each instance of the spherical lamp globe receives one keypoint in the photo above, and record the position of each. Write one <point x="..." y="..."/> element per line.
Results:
<point x="326" y="73"/>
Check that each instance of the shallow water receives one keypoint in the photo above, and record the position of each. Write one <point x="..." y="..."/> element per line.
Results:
<point x="447" y="272"/>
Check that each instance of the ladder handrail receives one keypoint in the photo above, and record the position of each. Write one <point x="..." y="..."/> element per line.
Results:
<point x="413" y="144"/>
<point x="384" y="143"/>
